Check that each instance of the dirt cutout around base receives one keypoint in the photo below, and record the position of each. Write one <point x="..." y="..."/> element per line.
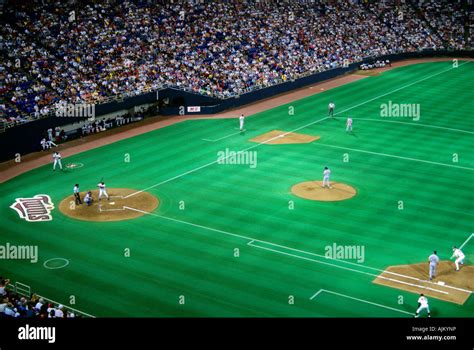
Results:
<point x="448" y="285"/>
<point x="314" y="190"/>
<point x="114" y="209"/>
<point x="278" y="137"/>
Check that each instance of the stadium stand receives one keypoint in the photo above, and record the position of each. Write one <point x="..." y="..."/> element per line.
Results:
<point x="90" y="52"/>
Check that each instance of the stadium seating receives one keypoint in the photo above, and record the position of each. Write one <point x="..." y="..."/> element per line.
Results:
<point x="93" y="52"/>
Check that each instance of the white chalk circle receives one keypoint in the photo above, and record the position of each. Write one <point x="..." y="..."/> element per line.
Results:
<point x="56" y="263"/>
<point x="74" y="165"/>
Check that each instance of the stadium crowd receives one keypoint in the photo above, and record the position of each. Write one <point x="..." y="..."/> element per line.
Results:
<point x="13" y="305"/>
<point x="89" y="51"/>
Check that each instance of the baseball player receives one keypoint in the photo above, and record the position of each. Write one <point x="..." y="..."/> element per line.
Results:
<point x="349" y="124"/>
<point x="50" y="134"/>
<point x="77" y="194"/>
<point x="57" y="161"/>
<point x="433" y="261"/>
<point x="242" y="121"/>
<point x="331" y="109"/>
<point x="44" y="144"/>
<point x="102" y="191"/>
<point x="423" y="305"/>
<point x="88" y="198"/>
<point x="459" y="255"/>
<point x="50" y="144"/>
<point x="326" y="174"/>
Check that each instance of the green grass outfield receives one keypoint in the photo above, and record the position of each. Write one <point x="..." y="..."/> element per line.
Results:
<point x="190" y="252"/>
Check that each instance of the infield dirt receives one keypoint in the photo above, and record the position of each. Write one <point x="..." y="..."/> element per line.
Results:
<point x="278" y="137"/>
<point x="449" y="285"/>
<point x="117" y="208"/>
<point x="313" y="190"/>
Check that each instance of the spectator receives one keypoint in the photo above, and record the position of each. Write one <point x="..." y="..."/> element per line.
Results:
<point x="222" y="49"/>
<point x="3" y="285"/>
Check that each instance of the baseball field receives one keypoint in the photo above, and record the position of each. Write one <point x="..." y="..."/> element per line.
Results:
<point x="227" y="234"/>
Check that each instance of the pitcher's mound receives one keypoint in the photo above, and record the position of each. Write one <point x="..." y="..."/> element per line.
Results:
<point x="314" y="190"/>
<point x="448" y="285"/>
<point x="117" y="208"/>
<point x="278" y="137"/>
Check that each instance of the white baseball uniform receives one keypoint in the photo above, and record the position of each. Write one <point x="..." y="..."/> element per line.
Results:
<point x="326" y="174"/>
<point x="423" y="301"/>
<point x="331" y="107"/>
<point x="102" y="191"/>
<point x="57" y="160"/>
<point x="50" y="134"/>
<point x="459" y="255"/>
<point x="349" y="124"/>
<point x="242" y="121"/>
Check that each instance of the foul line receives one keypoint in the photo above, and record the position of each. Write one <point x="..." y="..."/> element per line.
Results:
<point x="361" y="300"/>
<point x="416" y="124"/>
<point x="214" y="162"/>
<point x="394" y="156"/>
<point x="467" y="240"/>
<point x="297" y="129"/>
<point x="222" y="138"/>
<point x="252" y="240"/>
<point x="349" y="269"/>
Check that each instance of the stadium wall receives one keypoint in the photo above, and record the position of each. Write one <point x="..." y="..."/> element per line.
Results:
<point x="235" y="102"/>
<point x="24" y="139"/>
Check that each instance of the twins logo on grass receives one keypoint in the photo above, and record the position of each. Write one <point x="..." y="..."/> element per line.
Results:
<point x="34" y="209"/>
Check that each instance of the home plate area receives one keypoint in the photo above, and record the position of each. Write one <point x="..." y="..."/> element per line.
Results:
<point x="123" y="204"/>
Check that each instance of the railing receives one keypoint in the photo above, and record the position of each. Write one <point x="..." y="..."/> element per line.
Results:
<point x="24" y="290"/>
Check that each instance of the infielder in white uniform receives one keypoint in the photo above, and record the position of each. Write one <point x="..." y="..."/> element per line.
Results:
<point x="331" y="107"/>
<point x="349" y="125"/>
<point x="459" y="255"/>
<point x="423" y="305"/>
<point x="57" y="161"/>
<point x="242" y="122"/>
<point x="102" y="191"/>
<point x="433" y="261"/>
<point x="326" y="174"/>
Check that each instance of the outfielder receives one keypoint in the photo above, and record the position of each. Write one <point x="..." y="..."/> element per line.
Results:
<point x="326" y="174"/>
<point x="331" y="107"/>
<point x="459" y="255"/>
<point x="77" y="194"/>
<point x="423" y="305"/>
<point x="349" y="125"/>
<point x="57" y="161"/>
<point x="102" y="191"/>
<point x="433" y="261"/>
<point x="242" y="122"/>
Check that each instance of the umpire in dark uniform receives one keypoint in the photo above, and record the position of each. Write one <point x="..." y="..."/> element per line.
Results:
<point x="77" y="194"/>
